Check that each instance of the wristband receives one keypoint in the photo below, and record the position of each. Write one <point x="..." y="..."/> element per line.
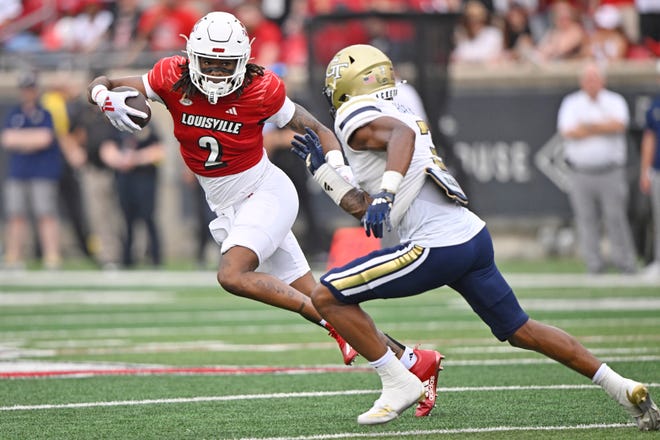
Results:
<point x="332" y="183"/>
<point x="334" y="158"/>
<point x="391" y="181"/>
<point x="96" y="90"/>
<point x="346" y="173"/>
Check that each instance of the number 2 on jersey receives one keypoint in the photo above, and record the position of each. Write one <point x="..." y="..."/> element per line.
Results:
<point x="213" y="160"/>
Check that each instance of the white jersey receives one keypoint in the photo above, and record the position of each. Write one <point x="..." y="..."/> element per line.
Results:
<point x="421" y="212"/>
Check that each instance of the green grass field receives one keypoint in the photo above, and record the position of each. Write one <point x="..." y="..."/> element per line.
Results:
<point x="168" y="355"/>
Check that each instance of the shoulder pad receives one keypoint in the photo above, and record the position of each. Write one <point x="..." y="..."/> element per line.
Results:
<point x="358" y="102"/>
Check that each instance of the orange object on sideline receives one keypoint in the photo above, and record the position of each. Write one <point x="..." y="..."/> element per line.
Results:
<point x="348" y="244"/>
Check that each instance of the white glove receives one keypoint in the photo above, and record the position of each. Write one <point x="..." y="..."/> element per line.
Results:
<point x="114" y="106"/>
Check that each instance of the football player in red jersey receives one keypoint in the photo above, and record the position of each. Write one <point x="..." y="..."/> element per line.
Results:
<point x="219" y="103"/>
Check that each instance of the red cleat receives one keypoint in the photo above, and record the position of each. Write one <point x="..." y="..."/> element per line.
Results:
<point x="348" y="353"/>
<point x="426" y="369"/>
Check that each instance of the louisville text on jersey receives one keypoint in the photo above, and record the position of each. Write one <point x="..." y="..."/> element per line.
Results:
<point x="211" y="123"/>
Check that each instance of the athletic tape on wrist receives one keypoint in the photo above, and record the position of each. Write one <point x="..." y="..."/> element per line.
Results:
<point x="332" y="183"/>
<point x="96" y="90"/>
<point x="391" y="181"/>
<point x="334" y="158"/>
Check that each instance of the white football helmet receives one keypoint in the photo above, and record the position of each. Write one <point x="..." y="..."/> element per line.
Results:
<point x="218" y="35"/>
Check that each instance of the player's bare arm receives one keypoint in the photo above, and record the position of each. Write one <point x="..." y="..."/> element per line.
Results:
<point x="130" y="81"/>
<point x="388" y="134"/>
<point x="302" y="118"/>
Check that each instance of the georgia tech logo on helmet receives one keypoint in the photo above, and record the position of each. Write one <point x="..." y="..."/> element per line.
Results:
<point x="334" y="69"/>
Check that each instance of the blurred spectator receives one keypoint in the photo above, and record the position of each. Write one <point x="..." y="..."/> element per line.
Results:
<point x="294" y="42"/>
<point x="649" y="176"/>
<point x="394" y="37"/>
<point x="580" y="7"/>
<point x="56" y="100"/>
<point x="328" y="39"/>
<point x="501" y="7"/>
<point x="162" y="25"/>
<point x="518" y="39"/>
<point x="606" y="42"/>
<point x="629" y="17"/>
<point x="436" y="5"/>
<point x="89" y="128"/>
<point x="220" y="5"/>
<point x="593" y="123"/>
<point x="564" y="39"/>
<point x="124" y="29"/>
<point x="276" y="10"/>
<point x="477" y="40"/>
<point x="9" y="10"/>
<point x="649" y="24"/>
<point x="20" y="32"/>
<point x="135" y="159"/>
<point x="202" y="217"/>
<point x="34" y="167"/>
<point x="266" y="35"/>
<point x="534" y="10"/>
<point x="80" y="30"/>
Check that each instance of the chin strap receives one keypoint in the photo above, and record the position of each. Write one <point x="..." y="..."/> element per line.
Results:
<point x="213" y="96"/>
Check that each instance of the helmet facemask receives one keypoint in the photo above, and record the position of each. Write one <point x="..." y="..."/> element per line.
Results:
<point x="220" y="36"/>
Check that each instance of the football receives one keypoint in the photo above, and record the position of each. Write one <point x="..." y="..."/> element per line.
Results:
<point x="138" y="102"/>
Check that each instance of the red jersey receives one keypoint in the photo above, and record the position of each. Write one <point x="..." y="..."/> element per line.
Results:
<point x="224" y="138"/>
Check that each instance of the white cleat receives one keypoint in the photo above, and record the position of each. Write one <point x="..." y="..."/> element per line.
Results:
<point x="393" y="402"/>
<point x="649" y="420"/>
<point x="379" y="413"/>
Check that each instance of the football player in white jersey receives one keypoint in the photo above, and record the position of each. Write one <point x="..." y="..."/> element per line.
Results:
<point x="404" y="185"/>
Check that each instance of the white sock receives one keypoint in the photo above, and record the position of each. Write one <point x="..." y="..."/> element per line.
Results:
<point x="323" y="323"/>
<point x="616" y="386"/>
<point x="408" y="358"/>
<point x="389" y="354"/>
<point x="393" y="375"/>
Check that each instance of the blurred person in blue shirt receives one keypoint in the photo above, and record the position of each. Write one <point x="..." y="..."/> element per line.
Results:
<point x="34" y="167"/>
<point x="649" y="176"/>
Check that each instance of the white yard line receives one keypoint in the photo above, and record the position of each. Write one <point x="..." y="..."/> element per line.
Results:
<point x="97" y="296"/>
<point x="19" y="367"/>
<point x="165" y="328"/>
<point x="208" y="279"/>
<point x="419" y="432"/>
<point x="269" y="396"/>
<point x="108" y="278"/>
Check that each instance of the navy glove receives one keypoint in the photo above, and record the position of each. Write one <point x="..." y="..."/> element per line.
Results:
<point x="378" y="214"/>
<point x="308" y="148"/>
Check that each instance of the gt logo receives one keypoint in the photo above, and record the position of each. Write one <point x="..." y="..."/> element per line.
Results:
<point x="334" y="70"/>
